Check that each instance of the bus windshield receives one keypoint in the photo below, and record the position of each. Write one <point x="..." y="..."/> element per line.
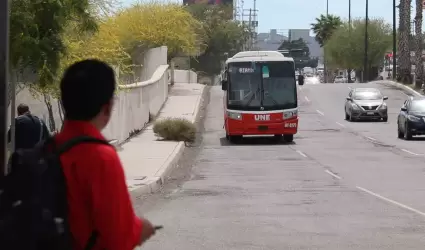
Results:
<point x="252" y="89"/>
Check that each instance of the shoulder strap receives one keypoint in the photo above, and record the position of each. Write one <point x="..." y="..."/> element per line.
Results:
<point x="92" y="240"/>
<point x="78" y="140"/>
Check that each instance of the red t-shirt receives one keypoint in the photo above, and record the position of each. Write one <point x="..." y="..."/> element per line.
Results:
<point x="98" y="197"/>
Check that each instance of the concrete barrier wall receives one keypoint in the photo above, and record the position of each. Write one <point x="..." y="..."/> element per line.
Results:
<point x="133" y="103"/>
<point x="185" y="76"/>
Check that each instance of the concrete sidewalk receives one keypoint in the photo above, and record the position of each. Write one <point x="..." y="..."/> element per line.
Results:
<point x="148" y="161"/>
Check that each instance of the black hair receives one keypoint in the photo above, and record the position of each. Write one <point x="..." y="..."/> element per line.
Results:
<point x="86" y="87"/>
<point x="23" y="108"/>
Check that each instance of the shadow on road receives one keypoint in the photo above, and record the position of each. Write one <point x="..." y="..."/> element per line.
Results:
<point x="253" y="141"/>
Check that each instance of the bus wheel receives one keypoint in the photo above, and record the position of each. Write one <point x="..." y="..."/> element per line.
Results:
<point x="234" y="138"/>
<point x="288" y="138"/>
<point x="277" y="138"/>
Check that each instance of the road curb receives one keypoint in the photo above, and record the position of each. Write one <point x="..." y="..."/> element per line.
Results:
<point x="399" y="85"/>
<point x="155" y="183"/>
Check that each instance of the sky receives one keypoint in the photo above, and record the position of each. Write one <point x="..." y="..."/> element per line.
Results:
<point x="299" y="14"/>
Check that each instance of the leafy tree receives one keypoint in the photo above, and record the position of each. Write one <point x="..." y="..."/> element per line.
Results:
<point x="325" y="27"/>
<point x="222" y="37"/>
<point x="345" y="49"/>
<point x="144" y="26"/>
<point x="36" y="45"/>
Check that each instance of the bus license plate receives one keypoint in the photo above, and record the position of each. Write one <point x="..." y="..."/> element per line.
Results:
<point x="263" y="128"/>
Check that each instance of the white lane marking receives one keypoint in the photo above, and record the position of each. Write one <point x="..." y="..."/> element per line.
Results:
<point x="301" y="153"/>
<point x="391" y="201"/>
<point x="332" y="174"/>
<point x="306" y="98"/>
<point x="349" y="88"/>
<point x="370" y="138"/>
<point x="409" y="152"/>
<point x="340" y="124"/>
<point x="320" y="112"/>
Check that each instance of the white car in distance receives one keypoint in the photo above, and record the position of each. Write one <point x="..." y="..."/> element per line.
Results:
<point x="340" y="79"/>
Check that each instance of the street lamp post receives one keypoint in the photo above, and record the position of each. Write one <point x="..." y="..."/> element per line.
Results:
<point x="349" y="15"/>
<point x="349" y="31"/>
<point x="366" y="44"/>
<point x="324" y="54"/>
<point x="394" y="41"/>
<point x="4" y="59"/>
<point x="327" y="7"/>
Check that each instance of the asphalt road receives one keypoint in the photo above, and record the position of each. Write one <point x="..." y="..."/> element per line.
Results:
<point x="340" y="185"/>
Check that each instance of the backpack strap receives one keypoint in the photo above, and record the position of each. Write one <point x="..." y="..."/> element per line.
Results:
<point x="79" y="140"/>
<point x="92" y="240"/>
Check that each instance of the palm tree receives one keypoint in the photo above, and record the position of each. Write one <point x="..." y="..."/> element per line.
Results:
<point x="419" y="70"/>
<point x="404" y="73"/>
<point x="323" y="28"/>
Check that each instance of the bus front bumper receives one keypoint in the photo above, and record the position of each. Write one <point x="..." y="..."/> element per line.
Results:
<point x="286" y="127"/>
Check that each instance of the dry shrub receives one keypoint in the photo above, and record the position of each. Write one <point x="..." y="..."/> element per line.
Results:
<point x="175" y="129"/>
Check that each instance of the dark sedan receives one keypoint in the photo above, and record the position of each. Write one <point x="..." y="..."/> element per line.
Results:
<point x="366" y="104"/>
<point x="411" y="119"/>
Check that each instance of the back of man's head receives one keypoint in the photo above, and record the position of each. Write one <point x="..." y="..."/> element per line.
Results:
<point x="23" y="109"/>
<point x="87" y="88"/>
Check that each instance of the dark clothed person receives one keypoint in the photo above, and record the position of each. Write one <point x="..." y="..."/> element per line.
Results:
<point x="29" y="129"/>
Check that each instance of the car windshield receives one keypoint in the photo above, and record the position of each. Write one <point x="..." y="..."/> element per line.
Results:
<point x="367" y="95"/>
<point x="418" y="106"/>
<point x="251" y="88"/>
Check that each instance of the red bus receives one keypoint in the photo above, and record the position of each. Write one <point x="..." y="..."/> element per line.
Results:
<point x="260" y="95"/>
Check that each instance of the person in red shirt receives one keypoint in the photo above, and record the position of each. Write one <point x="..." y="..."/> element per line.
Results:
<point x="98" y="197"/>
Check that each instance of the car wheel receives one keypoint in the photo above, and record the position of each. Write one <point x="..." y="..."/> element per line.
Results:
<point x="288" y="138"/>
<point x="407" y="133"/>
<point x="347" y="117"/>
<point x="385" y="119"/>
<point x="399" y="132"/>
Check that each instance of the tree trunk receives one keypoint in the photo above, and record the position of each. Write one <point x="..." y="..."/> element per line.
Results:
<point x="61" y="113"/>
<point x="12" y="103"/>
<point x="48" y="102"/>
<point x="419" y="69"/>
<point x="404" y="74"/>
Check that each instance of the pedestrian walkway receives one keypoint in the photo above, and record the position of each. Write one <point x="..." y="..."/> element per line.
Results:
<point x="147" y="160"/>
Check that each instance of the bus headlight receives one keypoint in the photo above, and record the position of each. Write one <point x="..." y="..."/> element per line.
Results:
<point x="290" y="114"/>
<point x="234" y="115"/>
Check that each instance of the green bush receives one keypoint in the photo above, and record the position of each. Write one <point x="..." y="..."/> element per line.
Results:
<point x="175" y="129"/>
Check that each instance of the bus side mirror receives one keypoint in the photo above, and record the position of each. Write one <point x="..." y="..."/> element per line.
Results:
<point x="300" y="80"/>
<point x="223" y="84"/>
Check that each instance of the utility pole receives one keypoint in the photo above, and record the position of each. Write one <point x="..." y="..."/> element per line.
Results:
<point x="394" y="40"/>
<point x="252" y="24"/>
<point x="250" y="29"/>
<point x="254" y="33"/>
<point x="349" y="15"/>
<point x="327" y="7"/>
<point x="366" y="45"/>
<point x="324" y="52"/>
<point x="349" y="33"/>
<point x="4" y="63"/>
